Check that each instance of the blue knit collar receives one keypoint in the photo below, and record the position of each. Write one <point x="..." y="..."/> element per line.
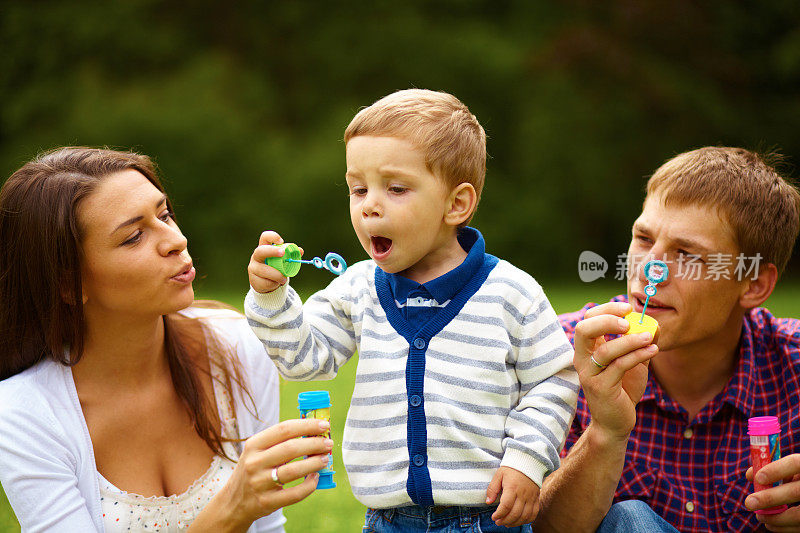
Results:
<point x="447" y="285"/>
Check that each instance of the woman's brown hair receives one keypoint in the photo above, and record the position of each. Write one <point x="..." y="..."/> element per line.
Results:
<point x="41" y="312"/>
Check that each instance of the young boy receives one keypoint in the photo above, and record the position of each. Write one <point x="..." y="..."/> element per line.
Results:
<point x="465" y="387"/>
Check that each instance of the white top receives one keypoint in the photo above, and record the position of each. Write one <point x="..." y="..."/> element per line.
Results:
<point x="498" y="381"/>
<point x="47" y="466"/>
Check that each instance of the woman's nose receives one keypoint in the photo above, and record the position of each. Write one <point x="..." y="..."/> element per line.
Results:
<point x="173" y="242"/>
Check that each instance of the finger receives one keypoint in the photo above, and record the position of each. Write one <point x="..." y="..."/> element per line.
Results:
<point x="262" y="271"/>
<point x="619" y="309"/>
<point x="615" y="371"/>
<point x="608" y="352"/>
<point x="772" y="497"/>
<point x="290" y="495"/>
<point x="529" y="512"/>
<point x="291" y="450"/>
<point x="264" y="251"/>
<point x="494" y="487"/>
<point x="285" y="431"/>
<point x="514" y="516"/>
<point x="506" y="504"/>
<point x="269" y="237"/>
<point x="590" y="329"/>
<point x="778" y="470"/>
<point x="749" y="474"/>
<point x="785" y="521"/>
<point x="299" y="469"/>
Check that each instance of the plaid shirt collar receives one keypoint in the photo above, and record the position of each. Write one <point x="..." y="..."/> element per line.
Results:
<point x="737" y="393"/>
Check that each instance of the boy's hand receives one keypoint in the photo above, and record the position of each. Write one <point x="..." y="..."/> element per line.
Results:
<point x="264" y="278"/>
<point x="519" y="497"/>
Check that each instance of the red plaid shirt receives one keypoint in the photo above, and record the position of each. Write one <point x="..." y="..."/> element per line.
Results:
<point x="692" y="472"/>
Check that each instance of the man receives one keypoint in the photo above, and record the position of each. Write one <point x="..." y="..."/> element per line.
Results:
<point x="667" y="433"/>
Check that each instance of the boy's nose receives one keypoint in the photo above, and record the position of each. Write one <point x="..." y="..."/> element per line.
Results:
<point x="371" y="207"/>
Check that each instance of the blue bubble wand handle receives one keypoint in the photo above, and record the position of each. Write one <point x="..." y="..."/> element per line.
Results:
<point x="656" y="272"/>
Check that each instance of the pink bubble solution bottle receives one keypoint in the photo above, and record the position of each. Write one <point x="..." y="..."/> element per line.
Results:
<point x="765" y="447"/>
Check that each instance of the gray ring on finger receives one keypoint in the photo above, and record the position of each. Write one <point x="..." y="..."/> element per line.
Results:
<point x="598" y="365"/>
<point x="274" y="476"/>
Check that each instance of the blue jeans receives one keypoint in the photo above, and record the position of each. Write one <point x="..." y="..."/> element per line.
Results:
<point x="633" y="516"/>
<point x="436" y="520"/>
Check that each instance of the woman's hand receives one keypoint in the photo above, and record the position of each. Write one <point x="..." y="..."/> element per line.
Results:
<point x="251" y="492"/>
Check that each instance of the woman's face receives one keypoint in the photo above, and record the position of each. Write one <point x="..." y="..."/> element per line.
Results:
<point x="134" y="259"/>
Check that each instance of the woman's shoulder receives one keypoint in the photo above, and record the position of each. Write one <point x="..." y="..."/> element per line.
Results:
<point x="38" y="396"/>
<point x="45" y="379"/>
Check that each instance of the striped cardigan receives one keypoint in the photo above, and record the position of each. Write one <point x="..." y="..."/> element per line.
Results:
<point x="489" y="382"/>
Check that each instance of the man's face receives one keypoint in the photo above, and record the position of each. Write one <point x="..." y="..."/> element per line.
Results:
<point x="691" y="306"/>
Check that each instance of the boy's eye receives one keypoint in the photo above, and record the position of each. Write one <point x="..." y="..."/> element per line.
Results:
<point x="358" y="191"/>
<point x="396" y="189"/>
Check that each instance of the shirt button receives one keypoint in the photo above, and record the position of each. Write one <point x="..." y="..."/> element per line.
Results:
<point x="415" y="401"/>
<point x="687" y="433"/>
<point x="419" y="460"/>
<point x="419" y="343"/>
<point x="690" y="506"/>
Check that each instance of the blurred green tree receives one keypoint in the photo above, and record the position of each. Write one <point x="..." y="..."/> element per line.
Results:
<point x="244" y="105"/>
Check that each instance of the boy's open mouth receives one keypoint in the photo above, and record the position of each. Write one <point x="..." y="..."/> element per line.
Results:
<point x="380" y="246"/>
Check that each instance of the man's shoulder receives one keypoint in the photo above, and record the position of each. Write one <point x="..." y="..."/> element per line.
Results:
<point x="768" y="329"/>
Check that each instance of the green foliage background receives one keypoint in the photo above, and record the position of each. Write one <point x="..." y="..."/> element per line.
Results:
<point x="243" y="105"/>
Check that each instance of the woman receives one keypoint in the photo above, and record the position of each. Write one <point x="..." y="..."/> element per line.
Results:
<point x="123" y="407"/>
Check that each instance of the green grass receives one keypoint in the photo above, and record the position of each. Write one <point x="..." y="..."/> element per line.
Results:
<point x="336" y="510"/>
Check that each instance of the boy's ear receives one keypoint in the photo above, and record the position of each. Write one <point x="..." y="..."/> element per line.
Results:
<point x="461" y="204"/>
<point x="756" y="291"/>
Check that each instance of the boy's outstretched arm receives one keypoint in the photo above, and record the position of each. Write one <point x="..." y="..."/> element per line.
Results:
<point x="306" y="342"/>
<point x="519" y="497"/>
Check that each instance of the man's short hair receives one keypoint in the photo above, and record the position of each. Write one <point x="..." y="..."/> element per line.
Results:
<point x="438" y="123"/>
<point x="761" y="206"/>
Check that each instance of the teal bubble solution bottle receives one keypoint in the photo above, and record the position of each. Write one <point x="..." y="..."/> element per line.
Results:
<point x="317" y="404"/>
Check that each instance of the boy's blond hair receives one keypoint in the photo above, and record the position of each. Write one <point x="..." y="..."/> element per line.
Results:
<point x="762" y="207"/>
<point x="439" y="124"/>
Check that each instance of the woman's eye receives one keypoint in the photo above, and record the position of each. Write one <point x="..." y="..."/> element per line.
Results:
<point x="134" y="239"/>
<point x="167" y="215"/>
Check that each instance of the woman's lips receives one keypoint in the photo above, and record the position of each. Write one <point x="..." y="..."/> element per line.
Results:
<point x="187" y="276"/>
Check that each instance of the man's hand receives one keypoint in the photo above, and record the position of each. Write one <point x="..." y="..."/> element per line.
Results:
<point x="264" y="278"/>
<point x="519" y="497"/>
<point x="786" y="469"/>
<point x="613" y="390"/>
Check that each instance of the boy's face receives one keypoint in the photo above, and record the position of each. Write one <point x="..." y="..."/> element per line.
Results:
<point x="397" y="207"/>
<point x="690" y="307"/>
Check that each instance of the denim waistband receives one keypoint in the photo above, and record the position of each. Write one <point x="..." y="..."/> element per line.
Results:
<point x="436" y="512"/>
